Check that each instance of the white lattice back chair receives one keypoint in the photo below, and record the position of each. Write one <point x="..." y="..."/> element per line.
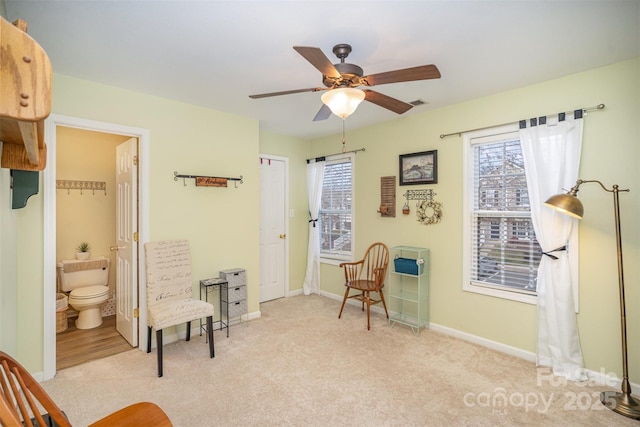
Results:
<point x="169" y="293"/>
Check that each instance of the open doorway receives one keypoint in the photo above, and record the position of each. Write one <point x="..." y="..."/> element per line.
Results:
<point x="86" y="212"/>
<point x="50" y="253"/>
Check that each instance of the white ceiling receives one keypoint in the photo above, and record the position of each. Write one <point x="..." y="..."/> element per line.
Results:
<point x="216" y="53"/>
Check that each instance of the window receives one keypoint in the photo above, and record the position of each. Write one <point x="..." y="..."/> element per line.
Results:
<point x="501" y="250"/>
<point x="336" y="210"/>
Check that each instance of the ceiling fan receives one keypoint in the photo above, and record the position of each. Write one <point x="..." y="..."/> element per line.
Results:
<point x="345" y="75"/>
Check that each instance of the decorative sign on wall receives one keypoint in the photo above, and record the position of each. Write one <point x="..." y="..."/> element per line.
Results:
<point x="206" y="181"/>
<point x="428" y="211"/>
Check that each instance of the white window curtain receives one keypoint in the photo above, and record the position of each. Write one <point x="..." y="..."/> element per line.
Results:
<point x="315" y="177"/>
<point x="552" y="156"/>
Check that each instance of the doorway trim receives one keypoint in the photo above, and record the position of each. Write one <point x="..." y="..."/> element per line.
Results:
<point x="49" y="225"/>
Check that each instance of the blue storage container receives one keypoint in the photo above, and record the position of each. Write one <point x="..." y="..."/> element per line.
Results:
<point x="409" y="265"/>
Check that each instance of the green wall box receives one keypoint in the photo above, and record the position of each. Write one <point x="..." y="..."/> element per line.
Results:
<point x="25" y="185"/>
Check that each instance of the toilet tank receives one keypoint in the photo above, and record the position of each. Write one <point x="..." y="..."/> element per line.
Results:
<point x="77" y="274"/>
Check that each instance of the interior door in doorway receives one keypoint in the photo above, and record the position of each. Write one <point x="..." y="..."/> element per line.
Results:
<point x="126" y="243"/>
<point x="273" y="175"/>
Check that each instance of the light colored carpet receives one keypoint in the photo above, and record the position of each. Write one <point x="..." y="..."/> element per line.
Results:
<point x="299" y="365"/>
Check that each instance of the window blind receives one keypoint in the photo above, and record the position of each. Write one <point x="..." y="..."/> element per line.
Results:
<point x="505" y="251"/>
<point x="335" y="208"/>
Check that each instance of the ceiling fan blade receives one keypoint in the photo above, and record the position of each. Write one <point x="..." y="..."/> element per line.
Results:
<point x="319" y="60"/>
<point x="287" y="92"/>
<point x="422" y="72"/>
<point x="387" y="102"/>
<point x="323" y="113"/>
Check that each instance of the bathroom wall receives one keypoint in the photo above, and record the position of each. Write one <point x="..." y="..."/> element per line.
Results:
<point x="88" y="216"/>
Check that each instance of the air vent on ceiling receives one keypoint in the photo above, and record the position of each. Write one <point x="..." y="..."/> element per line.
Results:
<point x="417" y="102"/>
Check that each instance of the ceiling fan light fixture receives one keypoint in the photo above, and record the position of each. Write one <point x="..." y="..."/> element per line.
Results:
<point x="343" y="101"/>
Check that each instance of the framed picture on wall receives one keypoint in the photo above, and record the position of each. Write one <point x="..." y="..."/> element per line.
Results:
<point x="419" y="168"/>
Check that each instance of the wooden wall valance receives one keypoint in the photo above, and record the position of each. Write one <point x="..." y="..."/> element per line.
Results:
<point x="25" y="98"/>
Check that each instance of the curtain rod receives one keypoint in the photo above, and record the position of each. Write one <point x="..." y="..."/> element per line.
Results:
<point x="320" y="158"/>
<point x="597" y="107"/>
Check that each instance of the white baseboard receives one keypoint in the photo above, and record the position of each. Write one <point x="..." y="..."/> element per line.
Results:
<point x="294" y="293"/>
<point x="330" y="295"/>
<point x="494" y="345"/>
<point x="252" y="315"/>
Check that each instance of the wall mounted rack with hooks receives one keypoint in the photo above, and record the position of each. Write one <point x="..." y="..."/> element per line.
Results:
<point x="65" y="184"/>
<point x="208" y="181"/>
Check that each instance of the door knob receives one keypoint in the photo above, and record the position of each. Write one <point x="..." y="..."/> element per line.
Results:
<point x="282" y="236"/>
<point x="115" y="248"/>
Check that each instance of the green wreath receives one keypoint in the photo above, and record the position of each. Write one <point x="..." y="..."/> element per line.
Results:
<point x="429" y="212"/>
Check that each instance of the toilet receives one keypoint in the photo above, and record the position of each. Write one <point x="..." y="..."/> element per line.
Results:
<point x="88" y="284"/>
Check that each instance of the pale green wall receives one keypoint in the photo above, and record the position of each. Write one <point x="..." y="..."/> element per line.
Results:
<point x="8" y="279"/>
<point x="220" y="223"/>
<point x="610" y="153"/>
<point x="297" y="151"/>
<point x="29" y="279"/>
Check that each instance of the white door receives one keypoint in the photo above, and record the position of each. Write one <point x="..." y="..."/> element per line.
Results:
<point x="273" y="176"/>
<point x="126" y="245"/>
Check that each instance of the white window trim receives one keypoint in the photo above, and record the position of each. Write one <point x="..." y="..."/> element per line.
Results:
<point x="337" y="259"/>
<point x="467" y="284"/>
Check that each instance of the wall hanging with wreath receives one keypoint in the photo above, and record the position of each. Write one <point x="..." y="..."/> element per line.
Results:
<point x="428" y="211"/>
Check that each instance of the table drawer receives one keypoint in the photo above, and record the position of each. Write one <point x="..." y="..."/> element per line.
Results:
<point x="234" y="276"/>
<point x="238" y="293"/>
<point x="237" y="309"/>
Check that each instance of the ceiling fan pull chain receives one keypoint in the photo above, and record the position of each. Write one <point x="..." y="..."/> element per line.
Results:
<point x="344" y="147"/>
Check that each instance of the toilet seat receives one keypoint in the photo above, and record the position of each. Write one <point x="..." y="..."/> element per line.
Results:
<point x="89" y="292"/>
<point x="88" y="301"/>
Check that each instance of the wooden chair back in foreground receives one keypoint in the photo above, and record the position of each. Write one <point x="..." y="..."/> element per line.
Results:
<point x="169" y="293"/>
<point x="22" y="400"/>
<point x="366" y="276"/>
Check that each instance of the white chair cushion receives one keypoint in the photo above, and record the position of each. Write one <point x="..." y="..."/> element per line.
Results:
<point x="175" y="312"/>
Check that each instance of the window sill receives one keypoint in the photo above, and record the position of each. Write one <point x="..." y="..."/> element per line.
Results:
<point x="334" y="261"/>
<point x="501" y="293"/>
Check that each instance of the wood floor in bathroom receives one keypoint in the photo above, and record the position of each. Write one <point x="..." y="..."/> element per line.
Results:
<point x="75" y="346"/>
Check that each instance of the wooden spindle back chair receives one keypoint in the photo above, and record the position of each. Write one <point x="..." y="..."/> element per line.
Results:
<point x="23" y="402"/>
<point x="366" y="276"/>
